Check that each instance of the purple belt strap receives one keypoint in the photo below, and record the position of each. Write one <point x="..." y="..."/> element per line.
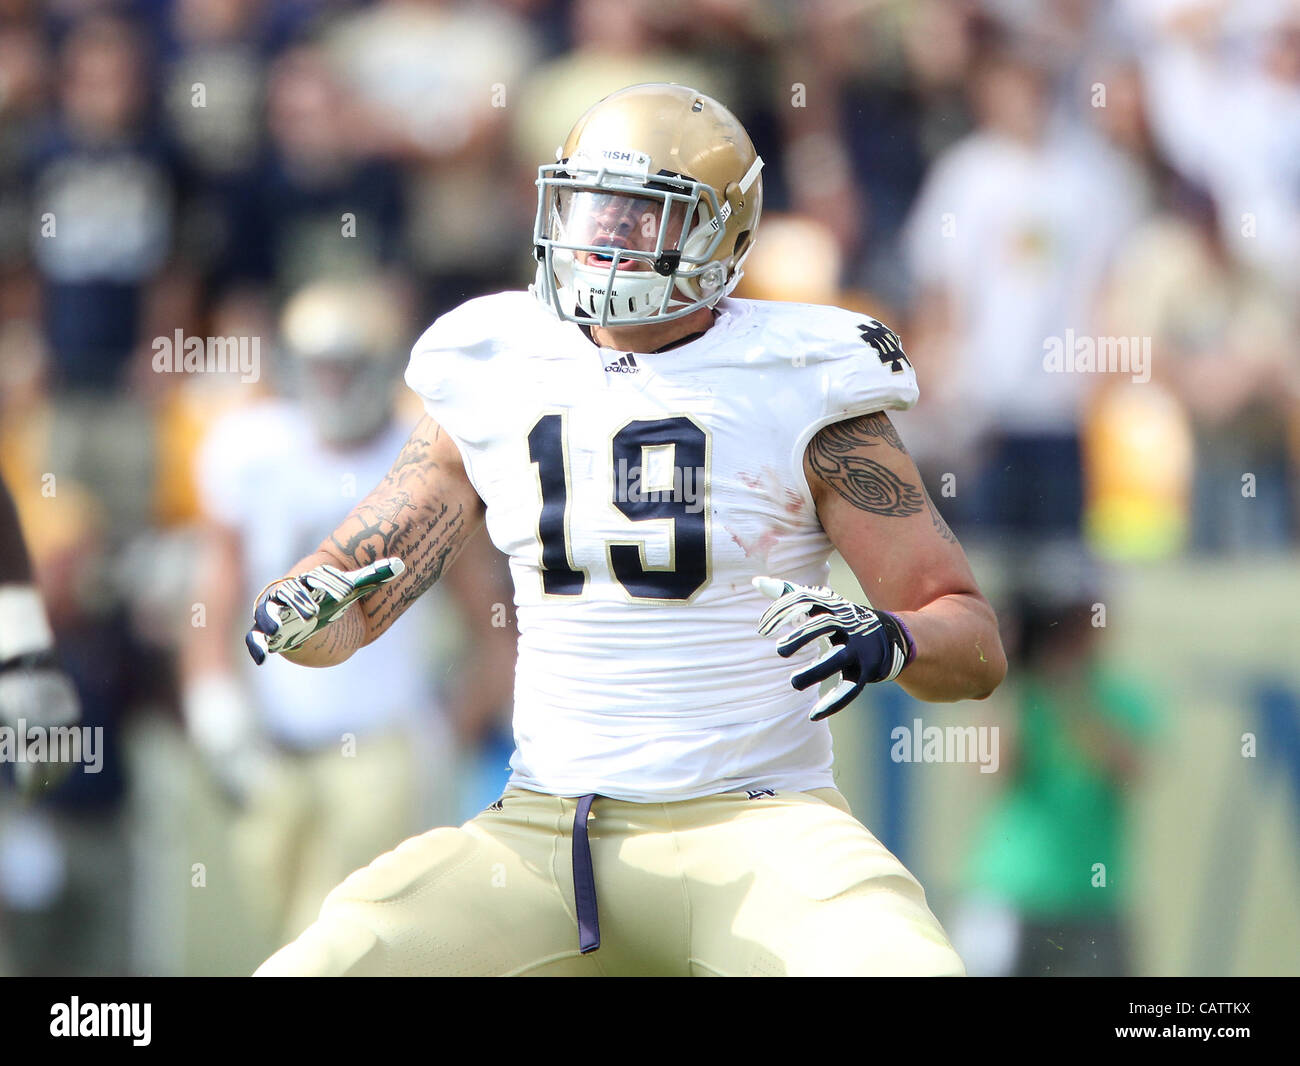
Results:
<point x="584" y="880"/>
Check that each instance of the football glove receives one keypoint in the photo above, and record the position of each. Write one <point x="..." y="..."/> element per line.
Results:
<point x="223" y="726"/>
<point x="866" y="645"/>
<point x="289" y="611"/>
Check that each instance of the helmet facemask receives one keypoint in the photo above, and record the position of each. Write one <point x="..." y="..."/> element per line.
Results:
<point x="615" y="247"/>
<point x="347" y="397"/>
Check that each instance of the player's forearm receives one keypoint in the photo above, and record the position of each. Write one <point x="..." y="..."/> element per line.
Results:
<point x="423" y="513"/>
<point x="959" y="653"/>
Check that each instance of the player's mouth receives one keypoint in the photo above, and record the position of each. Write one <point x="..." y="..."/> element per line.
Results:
<point x="596" y="259"/>
<point x="601" y="260"/>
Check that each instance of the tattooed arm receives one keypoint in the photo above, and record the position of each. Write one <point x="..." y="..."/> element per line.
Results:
<point x="876" y="511"/>
<point x="423" y="512"/>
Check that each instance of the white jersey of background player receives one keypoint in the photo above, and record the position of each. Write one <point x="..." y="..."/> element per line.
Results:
<point x="656" y="460"/>
<point x="280" y="516"/>
<point x="339" y="426"/>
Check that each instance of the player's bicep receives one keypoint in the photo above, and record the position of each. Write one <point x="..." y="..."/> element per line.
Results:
<point x="875" y="510"/>
<point x="423" y="512"/>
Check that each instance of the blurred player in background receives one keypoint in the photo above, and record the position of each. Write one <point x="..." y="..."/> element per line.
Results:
<point x="327" y="768"/>
<point x="657" y="460"/>
<point x="1051" y="873"/>
<point x="34" y="691"/>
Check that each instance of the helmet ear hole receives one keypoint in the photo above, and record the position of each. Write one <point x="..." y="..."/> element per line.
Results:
<point x="742" y="242"/>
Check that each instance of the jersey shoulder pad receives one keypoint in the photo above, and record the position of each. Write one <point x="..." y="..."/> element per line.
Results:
<point x="861" y="363"/>
<point x="477" y="328"/>
<point x="450" y="360"/>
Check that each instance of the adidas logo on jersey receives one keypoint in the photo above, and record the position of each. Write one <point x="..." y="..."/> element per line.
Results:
<point x="759" y="792"/>
<point x="624" y="365"/>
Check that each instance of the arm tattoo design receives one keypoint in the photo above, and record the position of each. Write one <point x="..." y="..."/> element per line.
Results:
<point x="865" y="483"/>
<point x="372" y="529"/>
<point x="389" y="521"/>
<point x="941" y="527"/>
<point x="425" y="549"/>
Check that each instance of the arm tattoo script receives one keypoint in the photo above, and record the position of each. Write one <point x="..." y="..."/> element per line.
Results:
<point x="834" y="456"/>
<point x="402" y="518"/>
<point x="373" y="528"/>
<point x="426" y="550"/>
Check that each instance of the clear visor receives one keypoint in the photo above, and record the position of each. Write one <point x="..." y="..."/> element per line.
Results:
<point x="596" y="223"/>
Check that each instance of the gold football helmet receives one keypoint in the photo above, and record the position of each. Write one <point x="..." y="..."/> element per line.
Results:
<point x="344" y="341"/>
<point x="649" y="211"/>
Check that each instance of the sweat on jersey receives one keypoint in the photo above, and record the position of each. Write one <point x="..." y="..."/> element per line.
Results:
<point x="636" y="495"/>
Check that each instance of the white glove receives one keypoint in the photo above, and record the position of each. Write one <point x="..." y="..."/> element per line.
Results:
<point x="288" y="612"/>
<point x="223" y="727"/>
<point x="866" y="645"/>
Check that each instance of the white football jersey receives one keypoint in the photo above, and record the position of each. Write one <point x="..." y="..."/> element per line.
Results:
<point x="636" y="496"/>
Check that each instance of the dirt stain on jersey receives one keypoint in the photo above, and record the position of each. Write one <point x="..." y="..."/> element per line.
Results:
<point x="762" y="544"/>
<point x="769" y="483"/>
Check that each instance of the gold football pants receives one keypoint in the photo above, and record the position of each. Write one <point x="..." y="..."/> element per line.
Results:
<point x="785" y="884"/>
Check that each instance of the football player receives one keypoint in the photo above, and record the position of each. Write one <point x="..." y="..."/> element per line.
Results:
<point x="34" y="691"/>
<point x="658" y="460"/>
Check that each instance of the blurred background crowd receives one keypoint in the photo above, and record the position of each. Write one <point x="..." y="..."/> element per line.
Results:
<point x="995" y="179"/>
